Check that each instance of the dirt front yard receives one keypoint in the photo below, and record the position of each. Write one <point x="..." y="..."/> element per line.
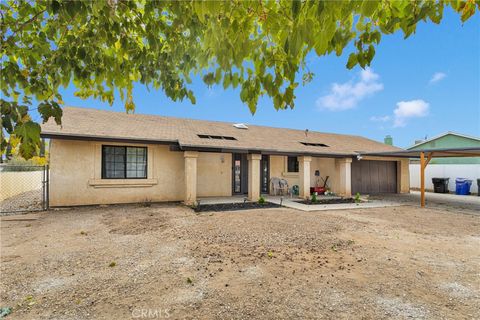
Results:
<point x="133" y="262"/>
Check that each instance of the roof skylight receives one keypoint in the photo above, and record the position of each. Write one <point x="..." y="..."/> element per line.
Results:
<point x="311" y="144"/>
<point x="240" y="126"/>
<point x="208" y="136"/>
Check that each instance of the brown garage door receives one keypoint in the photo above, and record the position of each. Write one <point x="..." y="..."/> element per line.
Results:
<point x="370" y="177"/>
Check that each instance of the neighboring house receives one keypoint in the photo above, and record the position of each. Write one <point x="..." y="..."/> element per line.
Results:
<point x="103" y="157"/>
<point x="447" y="167"/>
<point x="449" y="140"/>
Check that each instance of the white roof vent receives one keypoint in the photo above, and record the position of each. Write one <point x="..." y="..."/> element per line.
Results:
<point x="240" y="126"/>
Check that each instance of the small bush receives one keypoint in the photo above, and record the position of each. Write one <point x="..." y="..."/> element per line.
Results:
<point x="357" y="198"/>
<point x="314" y="197"/>
<point x="112" y="264"/>
<point x="18" y="164"/>
<point x="261" y="200"/>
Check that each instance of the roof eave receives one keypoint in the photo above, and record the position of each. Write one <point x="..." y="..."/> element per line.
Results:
<point x="65" y="136"/>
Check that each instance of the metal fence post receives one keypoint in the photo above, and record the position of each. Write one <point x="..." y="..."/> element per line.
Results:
<point x="47" y="173"/>
<point x="43" y="188"/>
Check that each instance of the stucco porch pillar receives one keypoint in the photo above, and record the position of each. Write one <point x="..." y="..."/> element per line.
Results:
<point x="344" y="167"/>
<point x="403" y="176"/>
<point x="254" y="176"/>
<point x="190" y="177"/>
<point x="304" y="175"/>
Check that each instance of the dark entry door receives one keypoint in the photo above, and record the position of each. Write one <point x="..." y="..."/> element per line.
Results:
<point x="371" y="177"/>
<point x="240" y="174"/>
<point x="264" y="175"/>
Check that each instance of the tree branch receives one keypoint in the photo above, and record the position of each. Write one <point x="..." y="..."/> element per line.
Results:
<point x="29" y="21"/>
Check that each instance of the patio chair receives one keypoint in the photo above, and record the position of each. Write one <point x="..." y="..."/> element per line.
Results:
<point x="275" y="183"/>
<point x="283" y="187"/>
<point x="279" y="186"/>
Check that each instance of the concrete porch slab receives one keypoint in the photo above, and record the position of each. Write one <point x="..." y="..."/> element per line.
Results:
<point x="290" y="203"/>
<point x="220" y="200"/>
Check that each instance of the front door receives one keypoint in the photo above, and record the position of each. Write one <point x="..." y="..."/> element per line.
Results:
<point x="240" y="173"/>
<point x="264" y="175"/>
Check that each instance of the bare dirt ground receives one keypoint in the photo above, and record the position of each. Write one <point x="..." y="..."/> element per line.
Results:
<point x="165" y="261"/>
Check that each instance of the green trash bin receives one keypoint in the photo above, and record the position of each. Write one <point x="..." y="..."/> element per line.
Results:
<point x="296" y="190"/>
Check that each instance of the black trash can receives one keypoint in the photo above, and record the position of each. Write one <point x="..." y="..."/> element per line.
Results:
<point x="478" y="185"/>
<point x="440" y="185"/>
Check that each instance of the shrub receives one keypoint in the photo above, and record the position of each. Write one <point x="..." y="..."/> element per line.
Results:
<point x="17" y="164"/>
<point x="314" y="197"/>
<point x="357" y="198"/>
<point x="261" y="200"/>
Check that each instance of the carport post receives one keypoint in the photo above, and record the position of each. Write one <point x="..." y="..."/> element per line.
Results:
<point x="423" y="165"/>
<point x="422" y="179"/>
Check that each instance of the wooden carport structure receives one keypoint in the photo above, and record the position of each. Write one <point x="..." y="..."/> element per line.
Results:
<point x="425" y="156"/>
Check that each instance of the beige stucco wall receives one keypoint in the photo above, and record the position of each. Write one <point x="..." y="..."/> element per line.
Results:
<point x="75" y="176"/>
<point x="278" y="168"/>
<point x="214" y="174"/>
<point x="327" y="168"/>
<point x="330" y="167"/>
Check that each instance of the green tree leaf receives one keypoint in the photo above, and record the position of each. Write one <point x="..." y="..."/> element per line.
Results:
<point x="352" y="60"/>
<point x="29" y="135"/>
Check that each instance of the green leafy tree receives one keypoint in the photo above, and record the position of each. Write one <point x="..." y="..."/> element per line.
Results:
<point x="103" y="47"/>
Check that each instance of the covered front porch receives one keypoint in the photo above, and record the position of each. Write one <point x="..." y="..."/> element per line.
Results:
<point x="249" y="175"/>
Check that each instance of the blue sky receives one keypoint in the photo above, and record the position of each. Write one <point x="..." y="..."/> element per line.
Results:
<point x="422" y="86"/>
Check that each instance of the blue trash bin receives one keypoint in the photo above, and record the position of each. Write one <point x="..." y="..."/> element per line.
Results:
<point x="462" y="186"/>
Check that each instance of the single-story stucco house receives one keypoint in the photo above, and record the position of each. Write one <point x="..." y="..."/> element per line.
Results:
<point x="104" y="157"/>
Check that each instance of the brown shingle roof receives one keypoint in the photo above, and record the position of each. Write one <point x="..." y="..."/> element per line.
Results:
<point x="92" y="123"/>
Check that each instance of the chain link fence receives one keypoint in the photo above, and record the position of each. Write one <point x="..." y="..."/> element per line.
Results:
<point x="23" y="188"/>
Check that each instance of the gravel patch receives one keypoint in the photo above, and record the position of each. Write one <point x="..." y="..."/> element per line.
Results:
<point x="396" y="308"/>
<point x="24" y="203"/>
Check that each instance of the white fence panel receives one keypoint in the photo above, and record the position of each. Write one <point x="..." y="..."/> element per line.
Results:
<point x="16" y="183"/>
<point x="452" y="171"/>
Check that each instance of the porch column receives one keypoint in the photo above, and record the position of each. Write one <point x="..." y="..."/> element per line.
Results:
<point x="344" y="167"/>
<point x="190" y="177"/>
<point x="403" y="176"/>
<point x="254" y="176"/>
<point x="304" y="175"/>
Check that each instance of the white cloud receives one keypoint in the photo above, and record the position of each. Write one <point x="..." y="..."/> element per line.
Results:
<point x="437" y="76"/>
<point x="380" y="118"/>
<point x="211" y="93"/>
<point x="409" y="109"/>
<point x="347" y="95"/>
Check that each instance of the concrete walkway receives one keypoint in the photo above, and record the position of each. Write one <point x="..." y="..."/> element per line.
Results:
<point x="290" y="203"/>
<point x="220" y="200"/>
<point x="450" y="202"/>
